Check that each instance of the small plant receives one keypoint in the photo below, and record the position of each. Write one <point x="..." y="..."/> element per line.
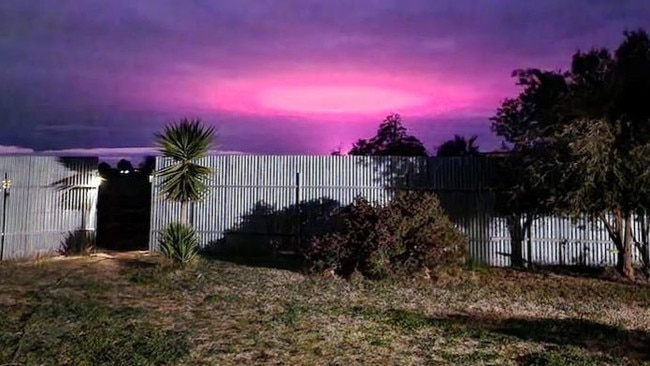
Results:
<point x="179" y="243"/>
<point x="409" y="235"/>
<point x="79" y="242"/>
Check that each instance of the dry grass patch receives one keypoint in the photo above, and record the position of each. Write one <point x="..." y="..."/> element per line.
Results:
<point x="222" y="313"/>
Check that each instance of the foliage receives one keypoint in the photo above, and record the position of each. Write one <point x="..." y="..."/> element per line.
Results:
<point x="458" y="146"/>
<point x="124" y="165"/>
<point x="148" y="165"/>
<point x="519" y="200"/>
<point x="184" y="143"/>
<point x="391" y="140"/>
<point x="179" y="243"/>
<point x="408" y="235"/>
<point x="79" y="242"/>
<point x="580" y="139"/>
<point x="104" y="169"/>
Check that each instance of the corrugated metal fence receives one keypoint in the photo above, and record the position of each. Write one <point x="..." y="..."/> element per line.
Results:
<point x="259" y="200"/>
<point x="49" y="198"/>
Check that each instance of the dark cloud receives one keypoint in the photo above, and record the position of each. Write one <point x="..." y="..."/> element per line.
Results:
<point x="87" y="63"/>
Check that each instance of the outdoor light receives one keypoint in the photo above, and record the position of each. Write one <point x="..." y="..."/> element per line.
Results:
<point x="6" y="184"/>
<point x="96" y="180"/>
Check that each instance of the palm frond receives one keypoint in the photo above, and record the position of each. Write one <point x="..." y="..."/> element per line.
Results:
<point x="184" y="143"/>
<point x="186" y="140"/>
<point x="184" y="181"/>
<point x="179" y="243"/>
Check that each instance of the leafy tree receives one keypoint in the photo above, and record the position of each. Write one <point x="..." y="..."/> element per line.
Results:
<point x="458" y="146"/>
<point x="124" y="165"/>
<point x="391" y="140"/>
<point x="148" y="165"/>
<point x="583" y="139"/>
<point x="104" y="169"/>
<point x="521" y="122"/>
<point x="184" y="180"/>
<point x="337" y="152"/>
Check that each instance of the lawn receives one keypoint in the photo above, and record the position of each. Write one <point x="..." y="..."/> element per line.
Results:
<point x="127" y="310"/>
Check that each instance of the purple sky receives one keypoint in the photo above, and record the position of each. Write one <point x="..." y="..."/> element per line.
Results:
<point x="281" y="76"/>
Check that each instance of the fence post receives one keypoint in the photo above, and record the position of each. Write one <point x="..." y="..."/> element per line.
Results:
<point x="408" y="181"/>
<point x="529" y="241"/>
<point x="298" y="216"/>
<point x="6" y="184"/>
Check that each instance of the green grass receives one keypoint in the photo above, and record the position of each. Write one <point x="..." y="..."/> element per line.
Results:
<point x="102" y="311"/>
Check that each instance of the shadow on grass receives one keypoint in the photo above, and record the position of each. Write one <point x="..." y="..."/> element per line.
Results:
<point x="292" y="263"/>
<point x="588" y="335"/>
<point x="577" y="341"/>
<point x="137" y="263"/>
<point x="576" y="270"/>
<point x="604" y="274"/>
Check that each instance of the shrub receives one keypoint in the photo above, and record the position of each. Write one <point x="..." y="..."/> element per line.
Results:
<point x="409" y="235"/>
<point x="179" y="243"/>
<point x="79" y="242"/>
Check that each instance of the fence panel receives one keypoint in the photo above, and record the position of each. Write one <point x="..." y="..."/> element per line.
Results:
<point x="49" y="198"/>
<point x="257" y="197"/>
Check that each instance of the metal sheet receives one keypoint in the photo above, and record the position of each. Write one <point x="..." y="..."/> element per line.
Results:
<point x="49" y="198"/>
<point x="247" y="186"/>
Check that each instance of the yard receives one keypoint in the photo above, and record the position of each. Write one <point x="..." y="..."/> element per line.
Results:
<point x="128" y="310"/>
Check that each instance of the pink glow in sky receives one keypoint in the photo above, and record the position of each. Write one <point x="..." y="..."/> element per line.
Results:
<point x="323" y="93"/>
<point x="338" y="99"/>
<point x="285" y="76"/>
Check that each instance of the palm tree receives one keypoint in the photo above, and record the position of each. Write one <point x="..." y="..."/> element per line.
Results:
<point x="458" y="146"/>
<point x="184" y="180"/>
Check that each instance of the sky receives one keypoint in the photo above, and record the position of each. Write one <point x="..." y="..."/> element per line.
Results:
<point x="278" y="76"/>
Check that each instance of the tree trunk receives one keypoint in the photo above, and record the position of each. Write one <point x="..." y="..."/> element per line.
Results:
<point x="528" y="225"/>
<point x="644" y="248"/>
<point x="644" y="244"/>
<point x="516" y="241"/>
<point x="183" y="218"/>
<point x="621" y="234"/>
<point x="627" y="265"/>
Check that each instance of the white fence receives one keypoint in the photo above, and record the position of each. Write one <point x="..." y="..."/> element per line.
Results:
<point x="49" y="199"/>
<point x="256" y="197"/>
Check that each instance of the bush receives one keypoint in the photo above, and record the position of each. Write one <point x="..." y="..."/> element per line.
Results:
<point x="79" y="242"/>
<point x="179" y="243"/>
<point x="409" y="235"/>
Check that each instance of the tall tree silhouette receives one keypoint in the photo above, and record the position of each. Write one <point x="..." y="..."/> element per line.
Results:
<point x="105" y="169"/>
<point x="148" y="165"/>
<point x="124" y="165"/>
<point x="391" y="140"/>
<point x="458" y="146"/>
<point x="582" y="139"/>
<point x="184" y="180"/>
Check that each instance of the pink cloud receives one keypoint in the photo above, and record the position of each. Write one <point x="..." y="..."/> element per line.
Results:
<point x="321" y="92"/>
